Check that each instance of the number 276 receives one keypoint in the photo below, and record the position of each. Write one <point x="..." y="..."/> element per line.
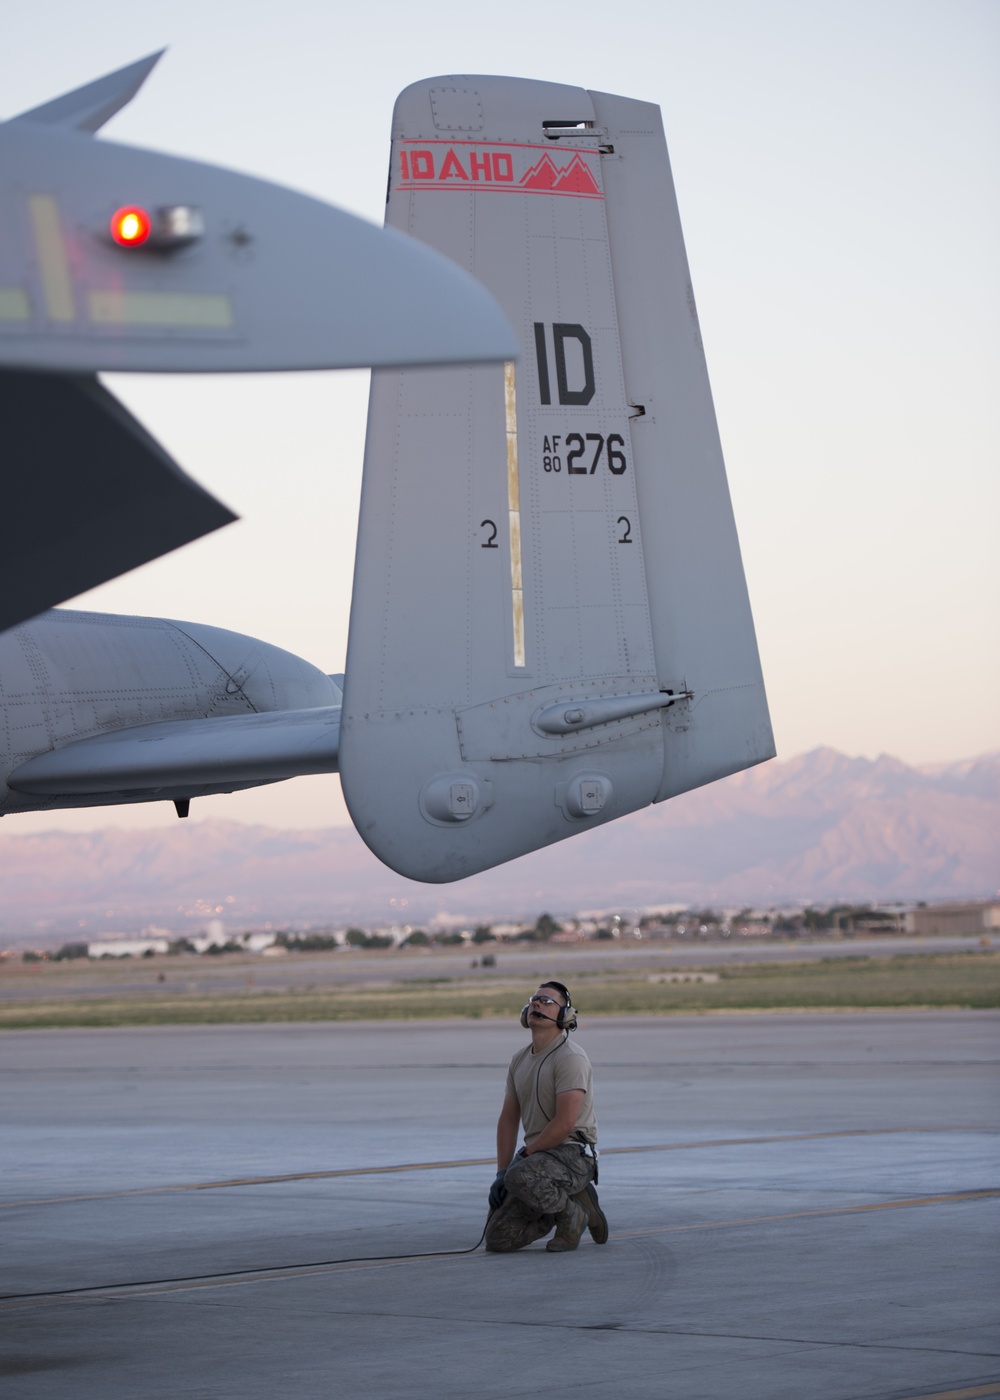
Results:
<point x="612" y="448"/>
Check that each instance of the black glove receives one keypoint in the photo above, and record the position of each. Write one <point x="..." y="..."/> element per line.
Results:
<point x="498" y="1191"/>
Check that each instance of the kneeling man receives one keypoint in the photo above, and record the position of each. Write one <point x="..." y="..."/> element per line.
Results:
<point x="551" y="1180"/>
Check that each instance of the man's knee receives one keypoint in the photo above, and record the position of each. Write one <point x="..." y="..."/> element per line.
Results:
<point x="512" y="1227"/>
<point x="530" y="1180"/>
<point x="544" y="1180"/>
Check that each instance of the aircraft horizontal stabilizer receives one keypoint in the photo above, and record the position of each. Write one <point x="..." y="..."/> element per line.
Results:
<point x="550" y="625"/>
<point x="211" y="271"/>
<point x="187" y="758"/>
<point x="87" y="108"/>
<point x="119" y="259"/>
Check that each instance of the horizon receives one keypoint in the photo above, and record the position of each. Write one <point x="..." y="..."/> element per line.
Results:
<point x="583" y="926"/>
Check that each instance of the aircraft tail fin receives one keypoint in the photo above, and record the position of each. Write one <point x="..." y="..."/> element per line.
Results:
<point x="87" y="108"/>
<point x="550" y="624"/>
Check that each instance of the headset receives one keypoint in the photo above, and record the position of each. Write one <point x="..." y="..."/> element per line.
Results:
<point x="566" y="1019"/>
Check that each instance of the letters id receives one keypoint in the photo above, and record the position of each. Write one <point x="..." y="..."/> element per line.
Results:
<point x="562" y="331"/>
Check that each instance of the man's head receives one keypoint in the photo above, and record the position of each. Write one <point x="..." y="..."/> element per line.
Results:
<point x="549" y="1004"/>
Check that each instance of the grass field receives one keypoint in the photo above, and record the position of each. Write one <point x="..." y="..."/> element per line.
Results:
<point x="970" y="979"/>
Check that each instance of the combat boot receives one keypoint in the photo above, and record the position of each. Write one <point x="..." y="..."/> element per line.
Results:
<point x="597" y="1221"/>
<point x="570" y="1225"/>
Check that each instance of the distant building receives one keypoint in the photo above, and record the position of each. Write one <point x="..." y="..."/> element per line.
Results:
<point x="258" y="942"/>
<point x="126" y="947"/>
<point x="212" y="936"/>
<point x="876" y="921"/>
<point x="954" y="918"/>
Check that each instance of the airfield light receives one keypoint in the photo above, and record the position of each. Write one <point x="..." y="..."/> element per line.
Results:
<point x="130" y="226"/>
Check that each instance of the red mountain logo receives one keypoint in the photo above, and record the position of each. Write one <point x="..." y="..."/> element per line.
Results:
<point x="575" y="178"/>
<point x="542" y="175"/>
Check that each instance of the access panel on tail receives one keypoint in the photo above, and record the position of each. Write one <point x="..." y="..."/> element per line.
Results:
<point x="550" y="625"/>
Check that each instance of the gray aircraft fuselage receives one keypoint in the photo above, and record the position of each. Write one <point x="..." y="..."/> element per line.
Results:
<point x="67" y="678"/>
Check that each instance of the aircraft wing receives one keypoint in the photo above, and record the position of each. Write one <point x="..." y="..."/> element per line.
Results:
<point x="87" y="493"/>
<point x="186" y="758"/>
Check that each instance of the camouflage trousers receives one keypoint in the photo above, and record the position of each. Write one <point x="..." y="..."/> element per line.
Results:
<point x="538" y="1188"/>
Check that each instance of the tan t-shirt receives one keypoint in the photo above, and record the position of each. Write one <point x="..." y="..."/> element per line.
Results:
<point x="535" y="1080"/>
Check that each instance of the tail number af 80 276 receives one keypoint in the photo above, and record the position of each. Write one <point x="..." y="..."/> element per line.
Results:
<point x="584" y="452"/>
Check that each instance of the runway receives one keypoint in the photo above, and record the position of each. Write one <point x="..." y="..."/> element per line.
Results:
<point x="800" y="1205"/>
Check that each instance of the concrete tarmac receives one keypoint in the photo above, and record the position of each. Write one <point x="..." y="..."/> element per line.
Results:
<point x="800" y="1206"/>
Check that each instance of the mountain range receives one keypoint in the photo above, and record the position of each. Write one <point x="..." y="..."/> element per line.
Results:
<point x="818" y="828"/>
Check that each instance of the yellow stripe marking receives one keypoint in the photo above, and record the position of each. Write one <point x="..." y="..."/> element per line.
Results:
<point x="276" y="1273"/>
<point x="474" y="1162"/>
<point x="971" y="1392"/>
<point x="514" y="513"/>
<point x="250" y="1181"/>
<point x="955" y="1196"/>
<point x="52" y="261"/>
<point x="14" y="304"/>
<point x="167" y="310"/>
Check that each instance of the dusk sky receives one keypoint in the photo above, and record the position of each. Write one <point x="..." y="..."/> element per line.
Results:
<point x="839" y="185"/>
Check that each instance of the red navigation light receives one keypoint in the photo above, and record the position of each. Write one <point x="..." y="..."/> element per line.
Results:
<point x="130" y="226"/>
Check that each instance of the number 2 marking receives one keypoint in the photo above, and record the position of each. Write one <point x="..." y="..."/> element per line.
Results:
<point x="626" y="536"/>
<point x="491" y="543"/>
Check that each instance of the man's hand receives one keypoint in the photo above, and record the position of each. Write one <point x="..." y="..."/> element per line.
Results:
<point x="498" y="1192"/>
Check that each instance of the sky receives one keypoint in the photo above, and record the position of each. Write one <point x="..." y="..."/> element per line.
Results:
<point x="839" y="185"/>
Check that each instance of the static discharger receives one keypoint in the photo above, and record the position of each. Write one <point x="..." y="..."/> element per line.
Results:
<point x="514" y="513"/>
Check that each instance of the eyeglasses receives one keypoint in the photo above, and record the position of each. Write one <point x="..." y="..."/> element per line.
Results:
<point x="542" y="1001"/>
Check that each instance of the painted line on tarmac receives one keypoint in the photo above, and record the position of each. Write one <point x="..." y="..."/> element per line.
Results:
<point x="142" y="1288"/>
<point x="972" y="1392"/>
<point x="954" y="1196"/>
<point x="476" y="1162"/>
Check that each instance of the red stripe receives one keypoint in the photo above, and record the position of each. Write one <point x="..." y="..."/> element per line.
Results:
<point x="500" y="145"/>
<point x="488" y="187"/>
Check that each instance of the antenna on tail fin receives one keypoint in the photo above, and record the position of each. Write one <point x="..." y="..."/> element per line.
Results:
<point x="550" y="625"/>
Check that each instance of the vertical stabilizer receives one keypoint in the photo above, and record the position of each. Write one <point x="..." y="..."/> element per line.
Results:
<point x="87" y="108"/>
<point x="550" y="625"/>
